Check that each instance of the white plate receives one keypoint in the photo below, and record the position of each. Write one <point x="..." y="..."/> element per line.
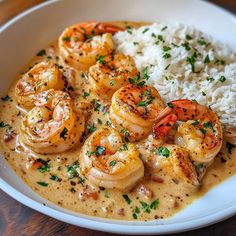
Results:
<point x="29" y="32"/>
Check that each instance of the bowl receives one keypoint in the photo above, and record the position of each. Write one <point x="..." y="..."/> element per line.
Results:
<point x="32" y="30"/>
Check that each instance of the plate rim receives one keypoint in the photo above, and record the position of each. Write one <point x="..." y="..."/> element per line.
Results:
<point x="103" y="224"/>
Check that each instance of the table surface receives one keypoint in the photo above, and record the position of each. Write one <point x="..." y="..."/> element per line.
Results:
<point x="15" y="217"/>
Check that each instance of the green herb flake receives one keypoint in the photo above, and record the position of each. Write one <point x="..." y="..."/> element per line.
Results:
<point x="188" y="37"/>
<point x="202" y="41"/>
<point x="63" y="133"/>
<point x="210" y="79"/>
<point x="135" y="216"/>
<point x="41" y="53"/>
<point x="166" y="56"/>
<point x="145" y="30"/>
<point x="207" y="59"/>
<point x="85" y="94"/>
<point x="186" y="46"/>
<point x="154" y="204"/>
<point x="100" y="150"/>
<point x="195" y="123"/>
<point x="166" y="68"/>
<point x="222" y="79"/>
<point x="203" y="93"/>
<point x="191" y="60"/>
<point x="112" y="163"/>
<point x="153" y="35"/>
<point x="42" y="183"/>
<point x="127" y="199"/>
<point x="160" y="37"/>
<point x="6" y="98"/>
<point x="208" y="125"/>
<point x="91" y="128"/>
<point x="166" y="48"/>
<point x="67" y="39"/>
<point x="124" y="147"/>
<point x="163" y="151"/>
<point x="164" y="28"/>
<point x="55" y="178"/>
<point x="135" y="43"/>
<point x="101" y="60"/>
<point x="99" y="121"/>
<point x="112" y="83"/>
<point x="45" y="165"/>
<point x="72" y="170"/>
<point x="203" y="131"/>
<point x="169" y="104"/>
<point x="3" y="125"/>
<point x="145" y="207"/>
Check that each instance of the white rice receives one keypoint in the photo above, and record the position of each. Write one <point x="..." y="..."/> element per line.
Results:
<point x="173" y="77"/>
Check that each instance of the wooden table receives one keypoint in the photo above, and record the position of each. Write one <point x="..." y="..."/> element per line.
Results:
<point x="17" y="219"/>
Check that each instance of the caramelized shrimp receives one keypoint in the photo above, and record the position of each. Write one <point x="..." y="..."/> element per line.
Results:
<point x="111" y="73"/>
<point x="134" y="109"/>
<point x="109" y="163"/>
<point x="80" y="45"/>
<point x="51" y="126"/>
<point x="200" y="133"/>
<point x="41" y="77"/>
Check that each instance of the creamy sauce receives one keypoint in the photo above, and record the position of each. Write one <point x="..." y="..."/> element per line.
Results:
<point x="75" y="193"/>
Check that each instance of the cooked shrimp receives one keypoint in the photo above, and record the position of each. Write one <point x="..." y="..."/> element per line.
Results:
<point x="51" y="126"/>
<point x="109" y="163"/>
<point x="112" y="73"/>
<point x="41" y="77"/>
<point x="80" y="45"/>
<point x="174" y="161"/>
<point x="134" y="109"/>
<point x="200" y="133"/>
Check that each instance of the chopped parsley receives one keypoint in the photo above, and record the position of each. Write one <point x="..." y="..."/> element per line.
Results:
<point x="186" y="46"/>
<point x="163" y="151"/>
<point x="169" y="104"/>
<point x="126" y="134"/>
<point x="42" y="183"/>
<point x="41" y="53"/>
<point x="203" y="130"/>
<point x="145" y="30"/>
<point x="166" y="48"/>
<point x="191" y="60"/>
<point x="208" y="125"/>
<point x="164" y="28"/>
<point x="67" y="39"/>
<point x="188" y="37"/>
<point x="91" y="128"/>
<point x="85" y="94"/>
<point x="45" y="167"/>
<point x="145" y="207"/>
<point x="136" y="211"/>
<point x="210" y="79"/>
<point x="100" y="150"/>
<point x="112" y="163"/>
<point x="166" y="55"/>
<point x="112" y="83"/>
<point x="6" y="98"/>
<point x="230" y="147"/>
<point x="101" y="60"/>
<point x="154" y="204"/>
<point x="127" y="199"/>
<point x="203" y="93"/>
<point x="195" y="123"/>
<point x="167" y="67"/>
<point x="202" y="41"/>
<point x="72" y="170"/>
<point x="207" y="59"/>
<point x="99" y="121"/>
<point x="160" y="37"/>
<point x="3" y="125"/>
<point x="153" y="35"/>
<point x="55" y="178"/>
<point x="222" y="79"/>
<point x="145" y="102"/>
<point x="96" y="104"/>
<point x="129" y="29"/>
<point x="63" y="133"/>
<point x="135" y="43"/>
<point x="124" y="147"/>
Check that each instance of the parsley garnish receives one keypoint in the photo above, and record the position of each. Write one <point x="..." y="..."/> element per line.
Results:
<point x="3" y="125"/>
<point x="210" y="79"/>
<point x="222" y="79"/>
<point x="154" y="204"/>
<point x="186" y="46"/>
<point x="112" y="163"/>
<point x="164" y="28"/>
<point x="45" y="165"/>
<point x="135" y="43"/>
<point x="165" y="48"/>
<point x="169" y="104"/>
<point x="166" y="56"/>
<point x="203" y="93"/>
<point x="100" y="150"/>
<point x="63" y="133"/>
<point x="207" y="59"/>
<point x="67" y="39"/>
<point x="202" y="42"/>
<point x="163" y="151"/>
<point x="91" y="128"/>
<point x="41" y="53"/>
<point x="127" y="199"/>
<point x="101" y="60"/>
<point x="72" y="170"/>
<point x="86" y="94"/>
<point x="195" y="123"/>
<point x="42" y="183"/>
<point x="96" y="104"/>
<point x="188" y="37"/>
<point x="145" y="30"/>
<point x="145" y="207"/>
<point x="191" y="60"/>
<point x="208" y="125"/>
<point x="55" y="178"/>
<point x="124" y="147"/>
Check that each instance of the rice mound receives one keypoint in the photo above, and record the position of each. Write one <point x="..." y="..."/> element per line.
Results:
<point x="184" y="63"/>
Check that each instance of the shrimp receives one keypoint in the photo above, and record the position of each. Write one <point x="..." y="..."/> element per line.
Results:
<point x="51" y="126"/>
<point x="200" y="133"/>
<point x="134" y="109"/>
<point x="172" y="160"/>
<point x="111" y="73"/>
<point x="107" y="162"/>
<point x="41" y="77"/>
<point x="80" y="45"/>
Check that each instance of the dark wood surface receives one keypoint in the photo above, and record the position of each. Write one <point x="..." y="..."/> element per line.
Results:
<point x="17" y="219"/>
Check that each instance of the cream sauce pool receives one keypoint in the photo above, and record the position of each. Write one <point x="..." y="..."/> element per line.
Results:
<point x="57" y="181"/>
